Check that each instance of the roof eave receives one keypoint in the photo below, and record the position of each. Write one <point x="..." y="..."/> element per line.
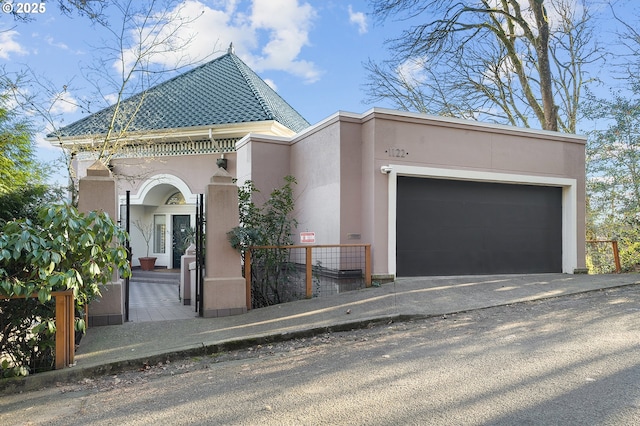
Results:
<point x="219" y="131"/>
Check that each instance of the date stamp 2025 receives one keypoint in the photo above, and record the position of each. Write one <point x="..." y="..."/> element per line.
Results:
<point x="24" y="8"/>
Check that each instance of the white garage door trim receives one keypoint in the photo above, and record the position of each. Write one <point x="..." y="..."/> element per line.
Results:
<point x="569" y="202"/>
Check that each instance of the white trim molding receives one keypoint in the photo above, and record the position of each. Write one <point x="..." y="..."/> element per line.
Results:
<point x="569" y="202"/>
<point x="161" y="179"/>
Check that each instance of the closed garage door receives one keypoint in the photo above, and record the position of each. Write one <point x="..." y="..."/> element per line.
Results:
<point x="450" y="227"/>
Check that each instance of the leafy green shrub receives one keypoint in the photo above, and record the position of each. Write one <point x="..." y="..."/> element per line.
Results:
<point x="28" y="336"/>
<point x="67" y="250"/>
<point x="599" y="258"/>
<point x="268" y="225"/>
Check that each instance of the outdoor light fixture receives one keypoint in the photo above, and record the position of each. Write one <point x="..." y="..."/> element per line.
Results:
<point x="222" y="162"/>
<point x="385" y="170"/>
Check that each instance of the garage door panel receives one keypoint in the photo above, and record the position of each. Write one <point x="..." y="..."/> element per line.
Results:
<point x="448" y="227"/>
<point x="448" y="213"/>
<point x="461" y="238"/>
<point x="441" y="261"/>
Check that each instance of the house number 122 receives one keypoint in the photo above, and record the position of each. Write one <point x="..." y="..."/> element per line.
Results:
<point x="397" y="152"/>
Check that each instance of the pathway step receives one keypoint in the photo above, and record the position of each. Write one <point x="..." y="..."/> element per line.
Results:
<point x="156" y="276"/>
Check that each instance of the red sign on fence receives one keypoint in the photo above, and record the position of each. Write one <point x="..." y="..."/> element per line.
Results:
<point x="307" y="237"/>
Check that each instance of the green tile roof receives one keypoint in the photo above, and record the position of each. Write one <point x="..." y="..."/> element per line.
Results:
<point x="222" y="91"/>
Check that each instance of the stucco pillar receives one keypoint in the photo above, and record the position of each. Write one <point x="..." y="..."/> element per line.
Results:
<point x="97" y="191"/>
<point x="224" y="291"/>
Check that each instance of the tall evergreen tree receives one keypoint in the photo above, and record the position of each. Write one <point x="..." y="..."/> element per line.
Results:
<point x="18" y="166"/>
<point x="22" y="177"/>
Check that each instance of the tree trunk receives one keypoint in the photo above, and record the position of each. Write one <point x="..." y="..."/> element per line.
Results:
<point x="541" y="45"/>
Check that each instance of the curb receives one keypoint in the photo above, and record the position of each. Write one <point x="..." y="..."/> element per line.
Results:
<point x="15" y="385"/>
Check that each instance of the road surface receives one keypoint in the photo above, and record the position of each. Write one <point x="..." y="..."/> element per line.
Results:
<point x="573" y="360"/>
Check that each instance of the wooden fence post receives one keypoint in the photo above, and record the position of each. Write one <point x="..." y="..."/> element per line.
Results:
<point x="65" y="345"/>
<point x="616" y="256"/>
<point x="367" y="265"/>
<point x="65" y="330"/>
<point x="247" y="275"/>
<point x="309" y="271"/>
<point x="614" y="249"/>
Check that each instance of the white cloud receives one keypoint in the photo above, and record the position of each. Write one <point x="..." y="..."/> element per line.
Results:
<point x="111" y="98"/>
<point x="8" y="44"/>
<point x="271" y="84"/>
<point x="190" y="21"/>
<point x="51" y="42"/>
<point x="554" y="12"/>
<point x="359" y="19"/>
<point x="286" y="24"/>
<point x="269" y="35"/>
<point x="412" y="71"/>
<point x="44" y="144"/>
<point x="64" y="103"/>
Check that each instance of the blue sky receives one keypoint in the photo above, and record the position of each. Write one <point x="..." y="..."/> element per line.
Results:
<point x="310" y="51"/>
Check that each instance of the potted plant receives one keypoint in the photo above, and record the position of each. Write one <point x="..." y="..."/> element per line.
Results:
<point x="185" y="239"/>
<point x="147" y="263"/>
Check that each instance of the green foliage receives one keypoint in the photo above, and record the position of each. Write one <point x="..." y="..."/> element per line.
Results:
<point x="66" y="250"/>
<point x="613" y="177"/>
<point x="27" y="201"/>
<point x="600" y="259"/>
<point x="268" y="225"/>
<point x="184" y="239"/>
<point x="28" y="337"/>
<point x="629" y="246"/>
<point x="18" y="166"/>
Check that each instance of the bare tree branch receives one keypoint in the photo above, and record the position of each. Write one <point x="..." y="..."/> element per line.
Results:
<point x="516" y="63"/>
<point x="131" y="60"/>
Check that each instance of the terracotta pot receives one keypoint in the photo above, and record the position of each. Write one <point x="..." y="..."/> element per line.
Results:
<point x="147" y="263"/>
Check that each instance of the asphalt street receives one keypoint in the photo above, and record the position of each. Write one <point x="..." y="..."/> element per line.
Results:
<point x="569" y="360"/>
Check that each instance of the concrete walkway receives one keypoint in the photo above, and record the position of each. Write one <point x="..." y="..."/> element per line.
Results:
<point x="157" y="301"/>
<point x="131" y="345"/>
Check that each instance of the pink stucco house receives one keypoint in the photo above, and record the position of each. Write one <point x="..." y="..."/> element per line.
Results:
<point x="432" y="195"/>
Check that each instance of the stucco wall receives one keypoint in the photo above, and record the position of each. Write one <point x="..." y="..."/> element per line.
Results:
<point x="351" y="184"/>
<point x="194" y="170"/>
<point x="432" y="142"/>
<point x="316" y="164"/>
<point x="439" y="143"/>
<point x="370" y="215"/>
<point x="264" y="161"/>
<point x="341" y="193"/>
<point x="338" y="165"/>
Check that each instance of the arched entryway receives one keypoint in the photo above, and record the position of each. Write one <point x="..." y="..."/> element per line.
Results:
<point x="162" y="220"/>
<point x="162" y="217"/>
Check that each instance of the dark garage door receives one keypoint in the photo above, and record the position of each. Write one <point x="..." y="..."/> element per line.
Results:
<point x="450" y="227"/>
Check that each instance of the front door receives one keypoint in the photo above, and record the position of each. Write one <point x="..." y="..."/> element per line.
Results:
<point x="181" y="225"/>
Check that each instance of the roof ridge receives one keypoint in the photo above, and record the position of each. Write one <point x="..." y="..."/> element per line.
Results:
<point x="242" y="67"/>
